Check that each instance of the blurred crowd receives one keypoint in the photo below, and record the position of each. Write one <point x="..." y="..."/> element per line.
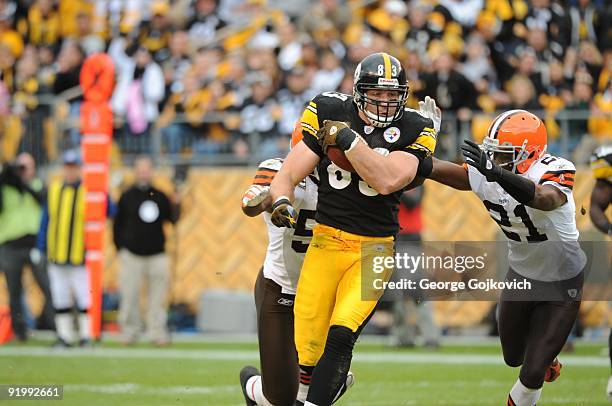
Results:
<point x="232" y="76"/>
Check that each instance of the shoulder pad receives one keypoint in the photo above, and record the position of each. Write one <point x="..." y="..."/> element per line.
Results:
<point x="559" y="164"/>
<point x="416" y="117"/>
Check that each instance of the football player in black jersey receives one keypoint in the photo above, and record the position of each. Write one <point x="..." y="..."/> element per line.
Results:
<point x="601" y="198"/>
<point x="356" y="211"/>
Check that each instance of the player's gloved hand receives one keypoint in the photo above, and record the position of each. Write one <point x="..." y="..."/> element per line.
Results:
<point x="429" y="109"/>
<point x="336" y="133"/>
<point x="477" y="158"/>
<point x="283" y="213"/>
<point x="255" y="195"/>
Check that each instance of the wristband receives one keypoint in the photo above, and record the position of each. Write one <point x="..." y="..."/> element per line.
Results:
<point x="346" y="138"/>
<point x="280" y="200"/>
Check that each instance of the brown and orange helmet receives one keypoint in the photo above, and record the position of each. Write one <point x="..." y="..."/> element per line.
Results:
<point x="516" y="132"/>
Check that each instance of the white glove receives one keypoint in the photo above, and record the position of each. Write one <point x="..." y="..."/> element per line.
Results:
<point x="35" y="256"/>
<point x="255" y="195"/>
<point x="429" y="109"/>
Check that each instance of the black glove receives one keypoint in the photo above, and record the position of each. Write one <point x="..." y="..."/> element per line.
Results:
<point x="335" y="133"/>
<point x="283" y="213"/>
<point x="477" y="158"/>
<point x="519" y="187"/>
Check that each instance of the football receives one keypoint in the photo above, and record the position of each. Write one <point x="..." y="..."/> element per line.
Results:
<point x="336" y="155"/>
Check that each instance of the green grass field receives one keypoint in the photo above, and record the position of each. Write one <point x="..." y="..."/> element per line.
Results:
<point x="207" y="374"/>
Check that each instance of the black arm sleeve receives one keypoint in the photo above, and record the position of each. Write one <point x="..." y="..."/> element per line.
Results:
<point x="522" y="189"/>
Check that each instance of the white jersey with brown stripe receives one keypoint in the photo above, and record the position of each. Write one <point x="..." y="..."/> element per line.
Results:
<point x="542" y="244"/>
<point x="287" y="246"/>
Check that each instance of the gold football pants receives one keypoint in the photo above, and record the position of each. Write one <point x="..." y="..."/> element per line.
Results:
<point x="333" y="289"/>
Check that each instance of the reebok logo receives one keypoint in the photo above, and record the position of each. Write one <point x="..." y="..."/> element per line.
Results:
<point x="285" y="302"/>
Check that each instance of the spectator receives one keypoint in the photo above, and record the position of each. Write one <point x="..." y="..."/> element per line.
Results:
<point x="293" y="98"/>
<point x="529" y="67"/>
<point x="177" y="63"/>
<point x="206" y="63"/>
<point x="582" y="95"/>
<point x="552" y="18"/>
<point x="190" y="104"/>
<point x="335" y="10"/>
<point x="419" y="35"/>
<point x="451" y="89"/>
<point x="205" y="22"/>
<point x="586" y="22"/>
<point x="409" y="239"/>
<point x="528" y="38"/>
<point x="259" y="116"/>
<point x="154" y="35"/>
<point x="42" y="25"/>
<point x="139" y="90"/>
<point x="555" y="83"/>
<point x="62" y="238"/>
<point x="545" y="51"/>
<point x="290" y="47"/>
<point x="27" y="105"/>
<point x="600" y="124"/>
<point x="139" y="238"/>
<point x="10" y="38"/>
<point x="329" y="75"/>
<point x="477" y="68"/>
<point x="522" y="94"/>
<point x="21" y="196"/>
<point x="66" y="84"/>
<point x="463" y="11"/>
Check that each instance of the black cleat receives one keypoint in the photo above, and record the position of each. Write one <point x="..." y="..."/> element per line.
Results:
<point x="245" y="374"/>
<point x="350" y="381"/>
<point x="85" y="343"/>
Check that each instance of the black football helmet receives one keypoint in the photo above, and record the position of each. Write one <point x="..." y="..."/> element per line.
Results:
<point x="380" y="71"/>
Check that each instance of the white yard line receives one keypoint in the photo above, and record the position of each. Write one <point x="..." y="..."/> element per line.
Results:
<point x="132" y="388"/>
<point x="244" y="355"/>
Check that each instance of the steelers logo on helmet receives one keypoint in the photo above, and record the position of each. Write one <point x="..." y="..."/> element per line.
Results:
<point x="515" y="140"/>
<point x="380" y="72"/>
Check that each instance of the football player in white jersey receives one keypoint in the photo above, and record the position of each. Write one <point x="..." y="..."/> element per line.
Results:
<point x="280" y="382"/>
<point x="601" y="198"/>
<point x="529" y="194"/>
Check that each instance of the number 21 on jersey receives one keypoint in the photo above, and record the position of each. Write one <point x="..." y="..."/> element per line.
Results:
<point x="504" y="221"/>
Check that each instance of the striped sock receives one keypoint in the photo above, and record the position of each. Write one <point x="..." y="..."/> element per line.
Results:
<point x="305" y="376"/>
<point x="255" y="391"/>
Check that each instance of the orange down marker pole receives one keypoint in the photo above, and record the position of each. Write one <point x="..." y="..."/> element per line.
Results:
<point x="97" y="82"/>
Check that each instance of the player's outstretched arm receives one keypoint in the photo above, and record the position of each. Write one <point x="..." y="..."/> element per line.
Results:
<point x="450" y="174"/>
<point x="601" y="196"/>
